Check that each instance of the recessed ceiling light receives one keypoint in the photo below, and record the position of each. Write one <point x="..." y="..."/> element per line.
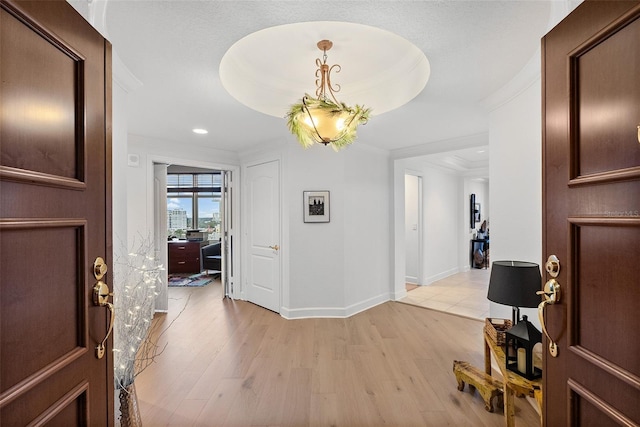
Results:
<point x="200" y="131"/>
<point x="479" y="151"/>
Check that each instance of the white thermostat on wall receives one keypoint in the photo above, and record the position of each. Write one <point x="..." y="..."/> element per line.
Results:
<point x="133" y="160"/>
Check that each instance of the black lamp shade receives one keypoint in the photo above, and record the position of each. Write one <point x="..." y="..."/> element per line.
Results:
<point x="515" y="283"/>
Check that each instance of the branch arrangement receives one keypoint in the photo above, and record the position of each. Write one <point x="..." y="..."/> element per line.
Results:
<point x="138" y="275"/>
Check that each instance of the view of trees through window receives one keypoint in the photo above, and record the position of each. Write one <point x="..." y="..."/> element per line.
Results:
<point x="193" y="195"/>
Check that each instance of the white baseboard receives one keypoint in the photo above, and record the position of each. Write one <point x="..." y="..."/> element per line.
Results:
<point x="411" y="279"/>
<point x="398" y="295"/>
<point x="333" y="312"/>
<point x="440" y="276"/>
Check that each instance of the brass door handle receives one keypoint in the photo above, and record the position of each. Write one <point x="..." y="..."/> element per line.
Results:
<point x="553" y="266"/>
<point x="101" y="347"/>
<point x="275" y="248"/>
<point x="101" y="296"/>
<point x="99" y="268"/>
<point x="551" y="296"/>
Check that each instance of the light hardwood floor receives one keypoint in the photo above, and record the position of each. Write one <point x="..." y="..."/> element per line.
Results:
<point x="464" y="294"/>
<point x="231" y="363"/>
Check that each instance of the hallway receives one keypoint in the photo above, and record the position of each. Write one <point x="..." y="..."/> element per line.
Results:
<point x="464" y="294"/>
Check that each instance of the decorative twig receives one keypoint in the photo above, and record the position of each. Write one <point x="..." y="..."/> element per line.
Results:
<point x="137" y="276"/>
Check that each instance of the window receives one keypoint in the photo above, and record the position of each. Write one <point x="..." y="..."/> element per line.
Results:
<point x="193" y="203"/>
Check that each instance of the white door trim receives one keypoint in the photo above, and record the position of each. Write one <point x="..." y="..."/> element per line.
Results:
<point x="420" y="226"/>
<point x="159" y="229"/>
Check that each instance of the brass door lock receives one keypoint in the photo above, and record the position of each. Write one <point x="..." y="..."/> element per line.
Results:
<point x="551" y="295"/>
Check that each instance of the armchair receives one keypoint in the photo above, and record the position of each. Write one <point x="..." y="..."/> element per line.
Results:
<point x="212" y="258"/>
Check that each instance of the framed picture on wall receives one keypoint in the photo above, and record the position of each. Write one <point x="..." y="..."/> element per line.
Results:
<point x="476" y="210"/>
<point x="472" y="211"/>
<point x="316" y="206"/>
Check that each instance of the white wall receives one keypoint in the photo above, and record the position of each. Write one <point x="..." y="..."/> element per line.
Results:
<point x="515" y="171"/>
<point x="119" y="168"/>
<point x="367" y="231"/>
<point x="443" y="215"/>
<point x="341" y="267"/>
<point x="516" y="184"/>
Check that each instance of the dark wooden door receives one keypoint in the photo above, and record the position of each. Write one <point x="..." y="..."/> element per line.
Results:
<point x="54" y="216"/>
<point x="591" y="214"/>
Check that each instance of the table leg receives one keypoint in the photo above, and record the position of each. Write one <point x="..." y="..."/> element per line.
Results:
<point x="509" y="406"/>
<point x="487" y="357"/>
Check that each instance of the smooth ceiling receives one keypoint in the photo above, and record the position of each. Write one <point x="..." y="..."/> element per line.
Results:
<point x="175" y="48"/>
<point x="270" y="81"/>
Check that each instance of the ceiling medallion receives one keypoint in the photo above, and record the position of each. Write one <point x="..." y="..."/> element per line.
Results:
<point x="324" y="119"/>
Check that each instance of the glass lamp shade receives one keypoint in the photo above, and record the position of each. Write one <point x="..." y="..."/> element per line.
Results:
<point x="329" y="125"/>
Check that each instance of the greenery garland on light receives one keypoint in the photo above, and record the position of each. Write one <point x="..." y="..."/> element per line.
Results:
<point x="307" y="136"/>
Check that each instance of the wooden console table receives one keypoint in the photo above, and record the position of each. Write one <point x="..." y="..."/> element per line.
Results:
<point x="514" y="384"/>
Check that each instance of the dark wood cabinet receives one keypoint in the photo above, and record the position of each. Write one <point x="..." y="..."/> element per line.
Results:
<point x="185" y="257"/>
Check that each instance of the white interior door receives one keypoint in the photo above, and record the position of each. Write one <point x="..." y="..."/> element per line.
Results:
<point x="263" y="235"/>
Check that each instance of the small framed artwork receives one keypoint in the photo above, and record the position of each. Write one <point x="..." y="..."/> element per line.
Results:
<point x="476" y="211"/>
<point x="316" y="206"/>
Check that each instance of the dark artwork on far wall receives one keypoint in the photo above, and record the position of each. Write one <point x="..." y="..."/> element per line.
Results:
<point x="472" y="211"/>
<point x="316" y="206"/>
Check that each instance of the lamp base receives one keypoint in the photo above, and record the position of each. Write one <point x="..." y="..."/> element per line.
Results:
<point x="515" y="315"/>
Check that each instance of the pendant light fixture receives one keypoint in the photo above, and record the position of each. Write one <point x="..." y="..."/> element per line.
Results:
<point x="324" y="119"/>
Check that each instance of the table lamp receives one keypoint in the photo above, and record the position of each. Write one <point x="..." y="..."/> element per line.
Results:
<point x="515" y="283"/>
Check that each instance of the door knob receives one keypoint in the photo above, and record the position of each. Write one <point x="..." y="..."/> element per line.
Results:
<point x="275" y="248"/>
<point x="551" y="295"/>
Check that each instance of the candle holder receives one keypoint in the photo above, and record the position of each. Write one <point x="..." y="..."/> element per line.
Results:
<point x="520" y="341"/>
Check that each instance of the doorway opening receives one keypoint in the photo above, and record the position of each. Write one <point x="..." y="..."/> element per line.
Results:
<point x="439" y="214"/>
<point x="193" y="233"/>
<point x="413" y="230"/>
<point x="195" y="212"/>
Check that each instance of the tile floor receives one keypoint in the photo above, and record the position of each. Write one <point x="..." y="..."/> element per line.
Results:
<point x="464" y="294"/>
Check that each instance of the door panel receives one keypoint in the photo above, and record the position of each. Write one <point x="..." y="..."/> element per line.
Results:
<point x="45" y="307"/>
<point x="606" y="109"/>
<point x="263" y="184"/>
<point x="601" y="287"/>
<point x="591" y="214"/>
<point x="54" y="216"/>
<point x="40" y="132"/>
